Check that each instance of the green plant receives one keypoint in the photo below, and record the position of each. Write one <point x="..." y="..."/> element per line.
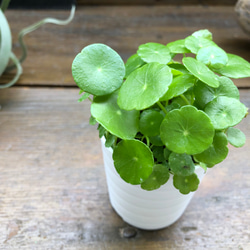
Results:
<point x="162" y="116"/>
<point x="6" y="42"/>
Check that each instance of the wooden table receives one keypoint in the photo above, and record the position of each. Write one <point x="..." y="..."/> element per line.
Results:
<point x="53" y="193"/>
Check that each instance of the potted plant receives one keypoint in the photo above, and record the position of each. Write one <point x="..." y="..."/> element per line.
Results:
<point x="6" y="53"/>
<point x="165" y="116"/>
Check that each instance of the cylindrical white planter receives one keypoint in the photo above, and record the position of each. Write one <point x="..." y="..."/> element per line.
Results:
<point x="143" y="209"/>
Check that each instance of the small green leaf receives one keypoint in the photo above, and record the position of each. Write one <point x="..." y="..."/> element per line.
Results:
<point x="98" y="70"/>
<point x="236" y="137"/>
<point x="144" y="86"/>
<point x="186" y="184"/>
<point x="187" y="130"/>
<point x="201" y="71"/>
<point x="204" y="166"/>
<point x="133" y="161"/>
<point x="195" y="43"/>
<point x="206" y="34"/>
<point x="101" y="130"/>
<point x="134" y="62"/>
<point x="154" y="52"/>
<point x="158" y="177"/>
<point x="213" y="56"/>
<point x="110" y="140"/>
<point x="237" y="67"/>
<point x="205" y="94"/>
<point x="178" y="47"/>
<point x="119" y="122"/>
<point x="181" y="164"/>
<point x="150" y="122"/>
<point x="225" y="112"/>
<point x="216" y="152"/>
<point x="92" y="120"/>
<point x="179" y="85"/>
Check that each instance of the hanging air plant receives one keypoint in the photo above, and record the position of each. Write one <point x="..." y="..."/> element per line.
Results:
<point x="6" y="54"/>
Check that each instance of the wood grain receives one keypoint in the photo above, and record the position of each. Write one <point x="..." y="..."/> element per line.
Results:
<point x="51" y="49"/>
<point x="53" y="193"/>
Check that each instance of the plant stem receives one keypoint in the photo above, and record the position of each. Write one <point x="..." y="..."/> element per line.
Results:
<point x="148" y="142"/>
<point x="162" y="107"/>
<point x="185" y="99"/>
<point x="4" y="5"/>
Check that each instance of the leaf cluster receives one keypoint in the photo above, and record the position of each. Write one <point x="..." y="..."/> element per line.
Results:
<point x="162" y="116"/>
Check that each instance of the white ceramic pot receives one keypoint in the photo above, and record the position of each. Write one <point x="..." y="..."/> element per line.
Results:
<point x="149" y="210"/>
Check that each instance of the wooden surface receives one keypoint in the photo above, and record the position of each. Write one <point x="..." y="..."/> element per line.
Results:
<point x="156" y="2"/>
<point x="53" y="193"/>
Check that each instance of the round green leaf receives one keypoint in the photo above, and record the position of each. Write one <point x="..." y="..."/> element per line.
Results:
<point x="216" y="152"/>
<point x="212" y="56"/>
<point x="144" y="86"/>
<point x="237" y="67"/>
<point x="154" y="52"/>
<point x="179" y="85"/>
<point x="187" y="130"/>
<point x="178" y="47"/>
<point x="201" y="71"/>
<point x="205" y="94"/>
<point x="195" y="43"/>
<point x="133" y="161"/>
<point x="158" y="177"/>
<point x="134" y="62"/>
<point x="186" y="184"/>
<point x="150" y="122"/>
<point x="122" y="123"/>
<point x="206" y="34"/>
<point x="98" y="70"/>
<point x="181" y="164"/>
<point x="225" y="112"/>
<point x="236" y="137"/>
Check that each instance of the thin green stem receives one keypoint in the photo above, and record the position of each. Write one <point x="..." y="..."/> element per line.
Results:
<point x="148" y="142"/>
<point x="162" y="107"/>
<point x="185" y="99"/>
<point x="115" y="142"/>
<point x="90" y="99"/>
<point x="4" y="5"/>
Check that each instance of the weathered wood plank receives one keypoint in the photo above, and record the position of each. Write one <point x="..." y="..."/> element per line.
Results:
<point x="156" y="2"/>
<point x="53" y="193"/>
<point x="51" y="49"/>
